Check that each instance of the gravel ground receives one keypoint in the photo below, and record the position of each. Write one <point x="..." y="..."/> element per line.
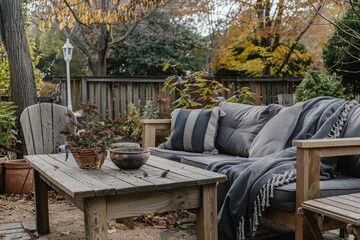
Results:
<point x="66" y="221"/>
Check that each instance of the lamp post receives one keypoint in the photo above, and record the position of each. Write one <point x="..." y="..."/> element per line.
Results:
<point x="67" y="50"/>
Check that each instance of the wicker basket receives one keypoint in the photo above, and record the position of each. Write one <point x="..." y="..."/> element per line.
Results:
<point x="89" y="158"/>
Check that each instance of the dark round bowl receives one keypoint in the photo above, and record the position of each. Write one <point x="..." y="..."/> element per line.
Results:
<point x="129" y="158"/>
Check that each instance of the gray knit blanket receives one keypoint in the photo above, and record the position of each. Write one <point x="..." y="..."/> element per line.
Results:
<point x="251" y="181"/>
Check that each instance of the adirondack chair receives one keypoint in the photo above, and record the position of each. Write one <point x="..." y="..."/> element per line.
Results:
<point x="41" y="124"/>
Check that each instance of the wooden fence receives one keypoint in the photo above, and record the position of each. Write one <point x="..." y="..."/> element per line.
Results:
<point x="112" y="95"/>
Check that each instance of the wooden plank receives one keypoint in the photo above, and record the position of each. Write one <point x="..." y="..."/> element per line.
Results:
<point x="36" y="128"/>
<point x="320" y="143"/>
<point x="41" y="205"/>
<point x="59" y="178"/>
<point x="92" y="178"/>
<point x="206" y="217"/>
<point x="98" y="177"/>
<point x="302" y="183"/>
<point x="354" y="196"/>
<point x="117" y="100"/>
<point x="190" y="171"/>
<point x="157" y="121"/>
<point x="26" y="128"/>
<point x="59" y="122"/>
<point x="151" y="202"/>
<point x="124" y="100"/>
<point x="341" y="204"/>
<point x="95" y="218"/>
<point x="103" y="99"/>
<point x="143" y="98"/>
<point x="130" y="97"/>
<point x="332" y="212"/>
<point x="84" y="90"/>
<point x="136" y="97"/>
<point x="91" y="96"/>
<point x="46" y="127"/>
<point x="63" y="93"/>
<point x="153" y="181"/>
<point x="110" y="100"/>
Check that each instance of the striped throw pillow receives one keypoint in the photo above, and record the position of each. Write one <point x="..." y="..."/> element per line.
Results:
<point x="193" y="130"/>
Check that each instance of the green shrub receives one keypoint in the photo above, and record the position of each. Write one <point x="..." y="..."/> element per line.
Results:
<point x="133" y="126"/>
<point x="316" y="84"/>
<point x="195" y="91"/>
<point x="150" y="111"/>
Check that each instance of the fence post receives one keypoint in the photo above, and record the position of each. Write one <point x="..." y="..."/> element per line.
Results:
<point x="84" y="97"/>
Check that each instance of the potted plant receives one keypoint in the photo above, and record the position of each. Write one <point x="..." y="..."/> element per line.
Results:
<point x="15" y="175"/>
<point x="89" y="143"/>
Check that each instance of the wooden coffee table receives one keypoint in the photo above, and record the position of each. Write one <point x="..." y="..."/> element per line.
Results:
<point x="111" y="193"/>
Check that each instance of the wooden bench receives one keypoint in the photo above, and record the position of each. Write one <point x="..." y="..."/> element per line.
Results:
<point x="309" y="153"/>
<point x="344" y="208"/>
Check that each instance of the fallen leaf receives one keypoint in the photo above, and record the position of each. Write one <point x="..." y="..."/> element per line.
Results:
<point x="164" y="173"/>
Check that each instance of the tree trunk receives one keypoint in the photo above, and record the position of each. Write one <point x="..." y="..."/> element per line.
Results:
<point x="22" y="80"/>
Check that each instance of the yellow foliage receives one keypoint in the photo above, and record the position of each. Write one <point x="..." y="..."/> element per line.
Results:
<point x="4" y="68"/>
<point x="91" y="12"/>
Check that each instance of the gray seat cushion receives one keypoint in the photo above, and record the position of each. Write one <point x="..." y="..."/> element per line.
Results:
<point x="199" y="160"/>
<point x="284" y="196"/>
<point x="204" y="160"/>
<point x="171" y="154"/>
<point x="240" y="125"/>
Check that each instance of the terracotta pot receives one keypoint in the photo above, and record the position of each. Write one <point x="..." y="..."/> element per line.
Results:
<point x="18" y="177"/>
<point x="2" y="173"/>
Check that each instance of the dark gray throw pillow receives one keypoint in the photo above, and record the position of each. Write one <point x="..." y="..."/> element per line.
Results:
<point x="240" y="126"/>
<point x="193" y="130"/>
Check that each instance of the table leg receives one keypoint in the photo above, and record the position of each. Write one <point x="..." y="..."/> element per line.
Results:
<point x="314" y="227"/>
<point x="206" y="218"/>
<point x="95" y="218"/>
<point x="41" y="204"/>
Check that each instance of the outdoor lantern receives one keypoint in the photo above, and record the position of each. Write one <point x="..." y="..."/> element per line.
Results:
<point x="67" y="50"/>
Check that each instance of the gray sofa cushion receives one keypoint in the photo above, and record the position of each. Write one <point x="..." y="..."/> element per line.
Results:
<point x="240" y="125"/>
<point x="351" y="164"/>
<point x="284" y="196"/>
<point x="171" y="154"/>
<point x="273" y="136"/>
<point x="193" y="130"/>
<point x="204" y="160"/>
<point x="199" y="160"/>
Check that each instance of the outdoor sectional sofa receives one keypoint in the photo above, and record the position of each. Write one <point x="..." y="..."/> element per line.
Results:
<point x="274" y="157"/>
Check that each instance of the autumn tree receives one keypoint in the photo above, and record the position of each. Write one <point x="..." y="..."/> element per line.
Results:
<point x="93" y="25"/>
<point x="265" y="38"/>
<point x="13" y="36"/>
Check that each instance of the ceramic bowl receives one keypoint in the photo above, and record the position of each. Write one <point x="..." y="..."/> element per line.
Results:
<point x="129" y="158"/>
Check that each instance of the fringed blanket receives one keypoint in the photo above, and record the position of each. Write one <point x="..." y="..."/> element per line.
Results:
<point x="251" y="181"/>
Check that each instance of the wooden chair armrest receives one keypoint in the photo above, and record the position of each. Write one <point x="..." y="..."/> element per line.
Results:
<point x="309" y="153"/>
<point x="149" y="130"/>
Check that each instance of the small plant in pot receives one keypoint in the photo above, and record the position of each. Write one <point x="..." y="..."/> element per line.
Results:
<point x="89" y="144"/>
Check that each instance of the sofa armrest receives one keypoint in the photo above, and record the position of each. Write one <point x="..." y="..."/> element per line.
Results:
<point x="309" y="153"/>
<point x="149" y="130"/>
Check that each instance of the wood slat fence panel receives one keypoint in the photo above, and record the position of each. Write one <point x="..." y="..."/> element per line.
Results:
<point x="113" y="95"/>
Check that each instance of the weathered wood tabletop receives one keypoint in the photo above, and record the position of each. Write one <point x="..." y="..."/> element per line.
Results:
<point x="343" y="208"/>
<point x="113" y="193"/>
